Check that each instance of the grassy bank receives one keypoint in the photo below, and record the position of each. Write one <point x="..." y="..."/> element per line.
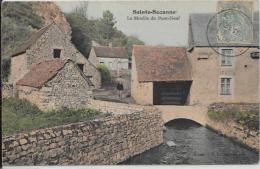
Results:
<point x="246" y="119"/>
<point x="20" y="116"/>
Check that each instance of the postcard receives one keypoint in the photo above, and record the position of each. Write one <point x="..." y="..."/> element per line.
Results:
<point x="130" y="83"/>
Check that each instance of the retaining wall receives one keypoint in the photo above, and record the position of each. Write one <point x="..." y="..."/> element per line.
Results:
<point x="106" y="141"/>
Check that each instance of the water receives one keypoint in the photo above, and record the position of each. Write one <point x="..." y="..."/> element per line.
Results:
<point x="195" y="144"/>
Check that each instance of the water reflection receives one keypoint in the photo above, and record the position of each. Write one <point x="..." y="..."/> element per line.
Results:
<point x="195" y="144"/>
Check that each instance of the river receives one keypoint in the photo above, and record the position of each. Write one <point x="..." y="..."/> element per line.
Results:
<point x="194" y="144"/>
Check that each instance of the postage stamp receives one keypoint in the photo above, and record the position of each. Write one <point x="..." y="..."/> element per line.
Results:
<point x="234" y="22"/>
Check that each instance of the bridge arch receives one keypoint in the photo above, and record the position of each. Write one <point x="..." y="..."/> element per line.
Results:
<point x="194" y="113"/>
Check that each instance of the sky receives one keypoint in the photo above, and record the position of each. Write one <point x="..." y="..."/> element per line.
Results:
<point x="152" y="32"/>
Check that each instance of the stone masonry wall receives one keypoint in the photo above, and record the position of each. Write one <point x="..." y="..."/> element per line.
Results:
<point x="67" y="89"/>
<point x="7" y="90"/>
<point x="236" y="132"/>
<point x="232" y="129"/>
<point x="54" y="38"/>
<point x="105" y="141"/>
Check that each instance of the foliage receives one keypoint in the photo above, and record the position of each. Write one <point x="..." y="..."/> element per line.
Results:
<point x="81" y="30"/>
<point x="247" y="119"/>
<point x="21" y="115"/>
<point x="105" y="26"/>
<point x="5" y="68"/>
<point x="131" y="40"/>
<point x="101" y="30"/>
<point x="18" y="21"/>
<point x="105" y="74"/>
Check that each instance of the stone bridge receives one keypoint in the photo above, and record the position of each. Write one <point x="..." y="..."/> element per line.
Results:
<point x="195" y="113"/>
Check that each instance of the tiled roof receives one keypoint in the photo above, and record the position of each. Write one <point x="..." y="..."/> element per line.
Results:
<point x="159" y="63"/>
<point x="198" y="28"/>
<point x="110" y="52"/>
<point x="33" y="38"/>
<point x="44" y="71"/>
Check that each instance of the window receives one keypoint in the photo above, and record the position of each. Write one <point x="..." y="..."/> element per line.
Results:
<point x="81" y="66"/>
<point x="101" y="62"/>
<point x="129" y="63"/>
<point x="56" y="53"/>
<point x="225" y="86"/>
<point x="226" y="57"/>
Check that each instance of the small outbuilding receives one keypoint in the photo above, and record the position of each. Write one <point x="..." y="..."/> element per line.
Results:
<point x="56" y="83"/>
<point x="160" y="75"/>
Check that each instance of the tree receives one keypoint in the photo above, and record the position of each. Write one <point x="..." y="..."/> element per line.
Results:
<point x="131" y="40"/>
<point x="82" y="9"/>
<point x="105" y="26"/>
<point x="81" y="32"/>
<point x="105" y="74"/>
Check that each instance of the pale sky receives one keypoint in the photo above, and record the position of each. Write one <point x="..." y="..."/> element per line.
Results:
<point x="171" y="32"/>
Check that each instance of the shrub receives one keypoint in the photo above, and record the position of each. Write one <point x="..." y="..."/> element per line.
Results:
<point x="21" y="115"/>
<point x="105" y="74"/>
<point x="5" y="66"/>
<point x="249" y="119"/>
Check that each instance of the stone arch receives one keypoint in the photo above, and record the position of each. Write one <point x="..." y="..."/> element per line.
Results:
<point x="198" y="122"/>
<point x="194" y="113"/>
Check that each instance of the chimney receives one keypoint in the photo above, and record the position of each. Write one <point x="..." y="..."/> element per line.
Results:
<point x="110" y="44"/>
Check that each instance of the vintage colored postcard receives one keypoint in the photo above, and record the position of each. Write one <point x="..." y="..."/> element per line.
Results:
<point x="130" y="82"/>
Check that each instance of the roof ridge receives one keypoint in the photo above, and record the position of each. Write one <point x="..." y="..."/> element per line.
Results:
<point x="30" y="41"/>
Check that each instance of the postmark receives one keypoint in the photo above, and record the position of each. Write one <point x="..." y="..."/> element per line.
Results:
<point x="231" y="26"/>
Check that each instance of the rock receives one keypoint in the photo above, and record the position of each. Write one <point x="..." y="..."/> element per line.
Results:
<point x="170" y="143"/>
<point x="164" y="128"/>
<point x="23" y="141"/>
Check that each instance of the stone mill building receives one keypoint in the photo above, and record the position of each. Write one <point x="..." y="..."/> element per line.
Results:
<point x="46" y="44"/>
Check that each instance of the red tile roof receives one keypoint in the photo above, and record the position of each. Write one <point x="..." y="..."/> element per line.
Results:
<point x="160" y="63"/>
<point x="42" y="72"/>
<point x="110" y="52"/>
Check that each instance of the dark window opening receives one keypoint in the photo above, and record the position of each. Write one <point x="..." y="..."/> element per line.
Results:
<point x="56" y="53"/>
<point x="129" y="63"/>
<point x="81" y="66"/>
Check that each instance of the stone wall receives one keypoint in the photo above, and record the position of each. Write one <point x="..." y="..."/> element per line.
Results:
<point x="206" y="74"/>
<point x="142" y="92"/>
<point x="234" y="106"/>
<point x="67" y="89"/>
<point x="105" y="141"/>
<point x="236" y="132"/>
<point x="232" y="129"/>
<point x="7" y="90"/>
<point x="42" y="49"/>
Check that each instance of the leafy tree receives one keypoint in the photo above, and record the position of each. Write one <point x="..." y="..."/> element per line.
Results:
<point x="81" y="32"/>
<point x="106" y="26"/>
<point x="105" y="74"/>
<point x="131" y="40"/>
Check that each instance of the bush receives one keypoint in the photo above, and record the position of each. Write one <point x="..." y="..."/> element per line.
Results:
<point x="245" y="118"/>
<point x="21" y="115"/>
<point x="105" y="74"/>
<point x="5" y="68"/>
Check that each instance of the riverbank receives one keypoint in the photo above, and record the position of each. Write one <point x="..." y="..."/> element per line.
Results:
<point x="194" y="145"/>
<point x="247" y="138"/>
<point x="239" y="121"/>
